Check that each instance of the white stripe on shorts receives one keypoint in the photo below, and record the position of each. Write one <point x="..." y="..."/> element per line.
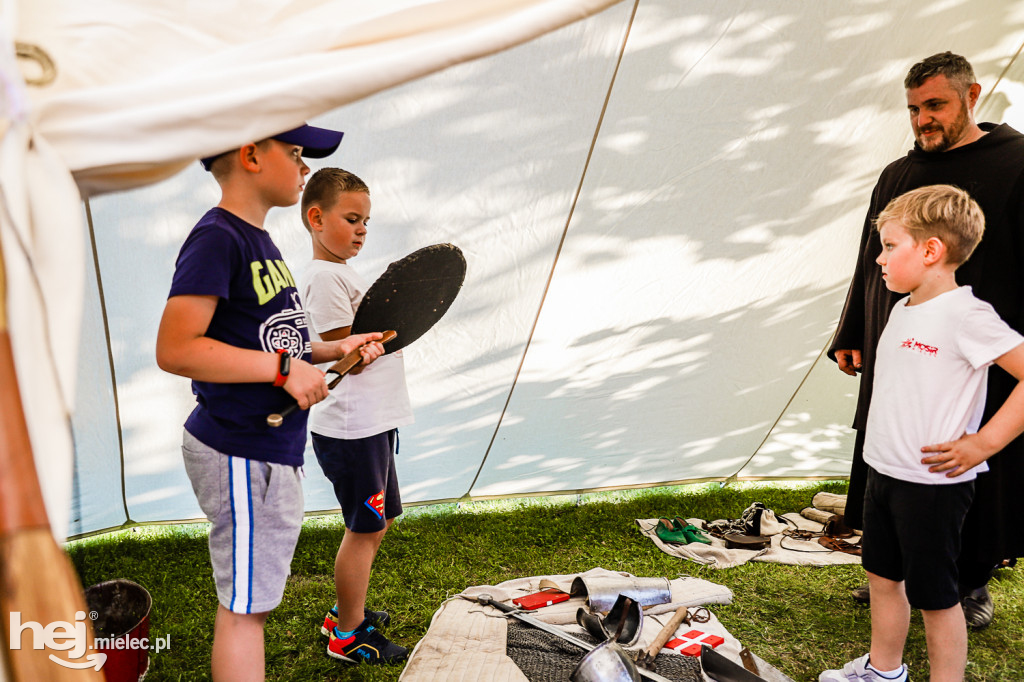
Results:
<point x="241" y="533"/>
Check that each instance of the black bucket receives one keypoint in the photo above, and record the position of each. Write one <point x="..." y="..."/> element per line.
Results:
<point x="121" y="610"/>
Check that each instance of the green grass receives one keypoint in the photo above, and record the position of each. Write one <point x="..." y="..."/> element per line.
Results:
<point x="799" y="618"/>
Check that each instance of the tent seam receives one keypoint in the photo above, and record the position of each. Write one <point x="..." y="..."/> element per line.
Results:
<point x="317" y="513"/>
<point x="1006" y="70"/>
<point x="558" y="251"/>
<point x="110" y="356"/>
<point x="734" y="477"/>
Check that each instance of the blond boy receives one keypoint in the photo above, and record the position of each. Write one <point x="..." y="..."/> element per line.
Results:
<point x="923" y="444"/>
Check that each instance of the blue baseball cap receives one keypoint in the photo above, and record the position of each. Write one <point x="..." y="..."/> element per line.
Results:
<point x="316" y="142"/>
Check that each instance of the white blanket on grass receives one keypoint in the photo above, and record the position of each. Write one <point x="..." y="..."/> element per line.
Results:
<point x="783" y="550"/>
<point x="466" y="640"/>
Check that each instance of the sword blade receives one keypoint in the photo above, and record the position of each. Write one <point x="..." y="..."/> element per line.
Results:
<point x="555" y="630"/>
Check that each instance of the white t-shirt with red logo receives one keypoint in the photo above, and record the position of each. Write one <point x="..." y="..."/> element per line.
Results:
<point x="931" y="372"/>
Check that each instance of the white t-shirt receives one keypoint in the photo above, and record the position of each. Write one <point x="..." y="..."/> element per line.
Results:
<point x="364" y="404"/>
<point x="931" y="373"/>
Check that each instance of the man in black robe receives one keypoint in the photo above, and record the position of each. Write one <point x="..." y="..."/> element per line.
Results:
<point x="987" y="160"/>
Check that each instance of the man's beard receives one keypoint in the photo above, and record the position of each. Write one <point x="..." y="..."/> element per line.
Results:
<point x="948" y="137"/>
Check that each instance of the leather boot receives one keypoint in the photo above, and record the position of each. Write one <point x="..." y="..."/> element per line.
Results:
<point x="978" y="607"/>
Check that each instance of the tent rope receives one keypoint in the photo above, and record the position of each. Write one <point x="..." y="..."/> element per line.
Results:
<point x="110" y="357"/>
<point x="1006" y="70"/>
<point x="734" y="477"/>
<point x="558" y="251"/>
<point x="782" y="413"/>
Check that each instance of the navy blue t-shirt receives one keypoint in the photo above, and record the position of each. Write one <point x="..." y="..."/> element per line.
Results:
<point x="259" y="309"/>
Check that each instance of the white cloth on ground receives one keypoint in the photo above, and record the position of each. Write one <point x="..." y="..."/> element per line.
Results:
<point x="466" y="640"/>
<point x="783" y="549"/>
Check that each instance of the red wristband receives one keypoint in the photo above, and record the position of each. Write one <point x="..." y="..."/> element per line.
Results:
<point x="284" y="366"/>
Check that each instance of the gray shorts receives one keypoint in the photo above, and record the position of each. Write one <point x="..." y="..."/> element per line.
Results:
<point x="256" y="509"/>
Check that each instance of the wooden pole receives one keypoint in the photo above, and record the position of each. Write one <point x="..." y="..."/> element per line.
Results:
<point x="38" y="584"/>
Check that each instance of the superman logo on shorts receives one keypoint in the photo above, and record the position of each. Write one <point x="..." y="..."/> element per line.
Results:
<point x="376" y="504"/>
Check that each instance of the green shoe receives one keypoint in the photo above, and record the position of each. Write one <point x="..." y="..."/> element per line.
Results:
<point x="667" y="533"/>
<point x="690" y="532"/>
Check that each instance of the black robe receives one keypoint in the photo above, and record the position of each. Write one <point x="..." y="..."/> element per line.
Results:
<point x="991" y="169"/>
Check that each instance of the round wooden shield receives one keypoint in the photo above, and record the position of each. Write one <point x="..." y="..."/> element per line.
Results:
<point x="412" y="294"/>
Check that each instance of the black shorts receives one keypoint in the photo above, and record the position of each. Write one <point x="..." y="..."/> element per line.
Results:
<point x="363" y="473"/>
<point x="912" y="534"/>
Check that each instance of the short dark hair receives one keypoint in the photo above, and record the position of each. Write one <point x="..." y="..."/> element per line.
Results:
<point x="954" y="67"/>
<point x="324" y="186"/>
<point x="217" y="166"/>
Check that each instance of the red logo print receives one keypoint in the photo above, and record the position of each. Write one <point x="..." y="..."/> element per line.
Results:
<point x="924" y="349"/>
<point x="376" y="504"/>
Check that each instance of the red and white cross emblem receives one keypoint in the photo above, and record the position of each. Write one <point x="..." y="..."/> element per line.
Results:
<point x="689" y="643"/>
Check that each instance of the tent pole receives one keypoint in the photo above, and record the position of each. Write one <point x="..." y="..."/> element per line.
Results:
<point x="558" y="251"/>
<point x="38" y="584"/>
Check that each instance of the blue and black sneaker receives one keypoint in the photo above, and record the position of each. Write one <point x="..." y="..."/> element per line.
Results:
<point x="365" y="645"/>
<point x="378" y="619"/>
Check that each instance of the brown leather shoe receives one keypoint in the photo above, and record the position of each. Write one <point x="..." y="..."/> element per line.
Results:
<point x="978" y="608"/>
<point x="861" y="594"/>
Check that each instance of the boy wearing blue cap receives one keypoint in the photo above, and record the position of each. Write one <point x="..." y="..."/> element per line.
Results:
<point x="233" y="323"/>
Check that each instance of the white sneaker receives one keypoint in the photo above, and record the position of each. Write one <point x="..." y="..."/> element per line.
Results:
<point x="858" y="670"/>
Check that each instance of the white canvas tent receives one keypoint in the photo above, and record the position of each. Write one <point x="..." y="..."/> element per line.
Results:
<point x="659" y="205"/>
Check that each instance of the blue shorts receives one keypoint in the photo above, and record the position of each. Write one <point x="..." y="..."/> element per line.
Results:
<point x="912" y="534"/>
<point x="362" y="471"/>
